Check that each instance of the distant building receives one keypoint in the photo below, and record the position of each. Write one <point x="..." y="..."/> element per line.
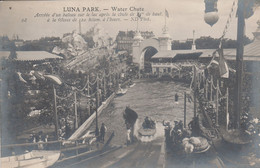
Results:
<point x="170" y="62"/>
<point x="125" y="39"/>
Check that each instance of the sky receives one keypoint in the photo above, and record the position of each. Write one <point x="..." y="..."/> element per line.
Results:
<point x="184" y="17"/>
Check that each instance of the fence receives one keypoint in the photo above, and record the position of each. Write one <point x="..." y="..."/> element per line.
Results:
<point x="215" y="102"/>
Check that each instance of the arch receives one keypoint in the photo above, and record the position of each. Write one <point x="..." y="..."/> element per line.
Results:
<point x="152" y="42"/>
<point x="144" y="45"/>
<point x="146" y="56"/>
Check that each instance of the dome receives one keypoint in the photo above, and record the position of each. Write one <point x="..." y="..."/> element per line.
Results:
<point x="211" y="18"/>
<point x="165" y="33"/>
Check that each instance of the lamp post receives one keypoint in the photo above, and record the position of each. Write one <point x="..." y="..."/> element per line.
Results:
<point x="55" y="80"/>
<point x="97" y="104"/>
<point x="55" y="112"/>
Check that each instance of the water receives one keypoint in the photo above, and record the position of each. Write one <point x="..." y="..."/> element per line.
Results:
<point x="148" y="98"/>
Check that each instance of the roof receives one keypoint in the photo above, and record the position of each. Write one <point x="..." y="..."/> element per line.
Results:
<point x="31" y="55"/>
<point x="251" y="52"/>
<point x="4" y="54"/>
<point x="177" y="54"/>
<point x="208" y="52"/>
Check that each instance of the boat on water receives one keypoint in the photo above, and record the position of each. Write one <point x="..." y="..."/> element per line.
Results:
<point x="148" y="127"/>
<point x="121" y="92"/>
<point x="183" y="141"/>
<point x="132" y="85"/>
<point x="33" y="159"/>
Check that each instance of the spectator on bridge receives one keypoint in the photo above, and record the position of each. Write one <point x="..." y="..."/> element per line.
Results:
<point x="103" y="130"/>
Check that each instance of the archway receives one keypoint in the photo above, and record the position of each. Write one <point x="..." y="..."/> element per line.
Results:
<point x="145" y="58"/>
<point x="147" y="49"/>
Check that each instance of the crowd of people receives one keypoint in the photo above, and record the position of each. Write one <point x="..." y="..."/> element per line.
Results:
<point x="39" y="138"/>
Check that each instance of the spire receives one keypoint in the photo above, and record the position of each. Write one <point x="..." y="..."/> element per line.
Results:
<point x="193" y="42"/>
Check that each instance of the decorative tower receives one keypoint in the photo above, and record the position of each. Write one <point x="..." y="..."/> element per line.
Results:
<point x="136" y="46"/>
<point x="165" y="40"/>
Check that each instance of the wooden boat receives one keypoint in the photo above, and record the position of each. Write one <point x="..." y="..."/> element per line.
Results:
<point x="35" y="158"/>
<point x="121" y="92"/>
<point x="132" y="85"/>
<point x="203" y="147"/>
<point x="148" y="127"/>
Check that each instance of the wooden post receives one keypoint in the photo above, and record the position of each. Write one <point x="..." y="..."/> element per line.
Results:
<point x="88" y="97"/>
<point x="211" y="88"/>
<point x="206" y="89"/>
<point x="97" y="105"/>
<point x="76" y="110"/>
<point x="239" y="63"/>
<point x="195" y="91"/>
<point x="227" y="114"/>
<point x="55" y="111"/>
<point x="184" y="122"/>
<point x="105" y="91"/>
<point x="217" y="101"/>
<point x="77" y="150"/>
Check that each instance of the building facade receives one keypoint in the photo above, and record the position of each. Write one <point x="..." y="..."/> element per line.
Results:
<point x="125" y="39"/>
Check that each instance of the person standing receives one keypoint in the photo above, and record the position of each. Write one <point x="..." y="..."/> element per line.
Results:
<point x="176" y="98"/>
<point x="103" y="130"/>
<point x="128" y="137"/>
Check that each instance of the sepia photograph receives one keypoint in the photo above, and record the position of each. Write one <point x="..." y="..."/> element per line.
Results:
<point x="130" y="84"/>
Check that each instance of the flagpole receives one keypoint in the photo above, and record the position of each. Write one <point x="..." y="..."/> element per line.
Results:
<point x="55" y="112"/>
<point x="165" y="14"/>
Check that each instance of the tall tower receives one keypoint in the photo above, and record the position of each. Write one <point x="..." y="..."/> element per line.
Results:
<point x="165" y="40"/>
<point x="136" y="46"/>
<point x="193" y="42"/>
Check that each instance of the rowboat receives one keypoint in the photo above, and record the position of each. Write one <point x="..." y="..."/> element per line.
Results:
<point x="148" y="128"/>
<point x="121" y="92"/>
<point x="132" y="85"/>
<point x="35" y="158"/>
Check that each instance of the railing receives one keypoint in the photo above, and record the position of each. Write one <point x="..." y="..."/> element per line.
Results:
<point x="81" y="146"/>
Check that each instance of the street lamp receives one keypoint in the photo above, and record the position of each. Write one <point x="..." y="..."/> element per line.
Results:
<point x="211" y="12"/>
<point x="55" y="80"/>
<point x="97" y="104"/>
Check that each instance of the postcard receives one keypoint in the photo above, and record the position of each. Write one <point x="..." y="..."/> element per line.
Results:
<point x="130" y="84"/>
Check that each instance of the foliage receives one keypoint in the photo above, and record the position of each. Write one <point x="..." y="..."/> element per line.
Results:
<point x="43" y="44"/>
<point x="207" y="43"/>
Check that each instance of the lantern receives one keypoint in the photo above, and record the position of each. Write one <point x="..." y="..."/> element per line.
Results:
<point x="211" y="12"/>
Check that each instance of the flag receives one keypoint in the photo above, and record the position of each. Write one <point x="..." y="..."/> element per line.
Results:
<point x="213" y="61"/>
<point x="249" y="8"/>
<point x="166" y="13"/>
<point x="223" y="67"/>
